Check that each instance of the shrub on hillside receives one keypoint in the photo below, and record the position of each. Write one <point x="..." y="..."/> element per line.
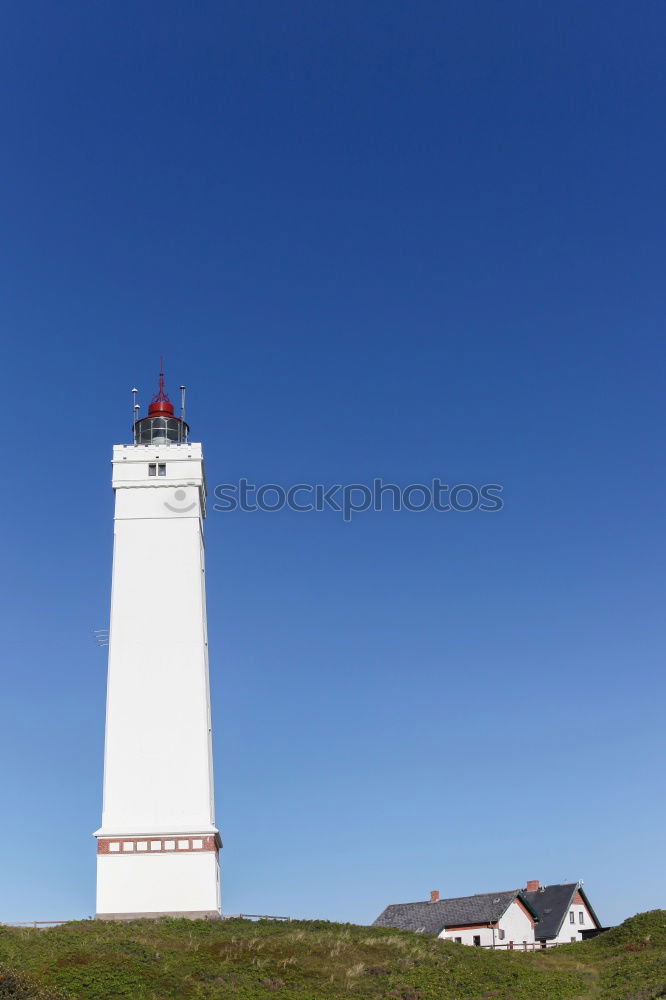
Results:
<point x="16" y="987"/>
<point x="645" y="930"/>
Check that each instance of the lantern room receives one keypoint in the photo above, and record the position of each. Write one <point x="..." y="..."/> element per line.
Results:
<point x="161" y="426"/>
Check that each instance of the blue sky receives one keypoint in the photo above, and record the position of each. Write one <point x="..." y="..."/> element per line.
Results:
<point x="375" y="239"/>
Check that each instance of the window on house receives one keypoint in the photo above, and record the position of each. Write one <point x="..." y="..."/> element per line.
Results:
<point x="161" y="469"/>
<point x="458" y="940"/>
<point x="477" y="940"/>
<point x="573" y="938"/>
<point x="572" y="917"/>
<point x="581" y="917"/>
<point x="501" y="934"/>
<point x="152" y="469"/>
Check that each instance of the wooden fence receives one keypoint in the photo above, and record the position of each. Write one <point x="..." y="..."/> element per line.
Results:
<point x="32" y="923"/>
<point x="521" y="945"/>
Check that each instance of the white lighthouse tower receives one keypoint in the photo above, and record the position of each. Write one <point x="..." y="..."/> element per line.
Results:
<point x="158" y="846"/>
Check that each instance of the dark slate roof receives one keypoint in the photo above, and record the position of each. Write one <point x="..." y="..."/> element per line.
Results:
<point x="552" y="903"/>
<point x="431" y="918"/>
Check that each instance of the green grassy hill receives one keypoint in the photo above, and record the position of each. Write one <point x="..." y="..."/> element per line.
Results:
<point x="311" y="960"/>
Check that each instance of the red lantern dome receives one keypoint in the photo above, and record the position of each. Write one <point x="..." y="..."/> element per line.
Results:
<point x="160" y="404"/>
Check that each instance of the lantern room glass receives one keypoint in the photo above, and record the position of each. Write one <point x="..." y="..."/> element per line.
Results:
<point x="160" y="430"/>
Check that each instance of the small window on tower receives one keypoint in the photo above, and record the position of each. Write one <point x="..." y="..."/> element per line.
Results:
<point x="152" y="469"/>
<point x="161" y="469"/>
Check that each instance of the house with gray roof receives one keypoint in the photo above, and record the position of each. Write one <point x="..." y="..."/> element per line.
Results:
<point x="565" y="912"/>
<point x="489" y="918"/>
<point x="510" y="919"/>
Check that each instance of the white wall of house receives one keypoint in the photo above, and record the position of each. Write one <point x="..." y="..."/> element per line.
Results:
<point x="467" y="934"/>
<point x="582" y="921"/>
<point x="515" y="923"/>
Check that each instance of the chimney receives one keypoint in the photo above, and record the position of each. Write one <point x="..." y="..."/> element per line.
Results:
<point x="434" y="895"/>
<point x="532" y="886"/>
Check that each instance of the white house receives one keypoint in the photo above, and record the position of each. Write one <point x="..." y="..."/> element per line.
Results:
<point x="554" y="914"/>
<point x="490" y="918"/>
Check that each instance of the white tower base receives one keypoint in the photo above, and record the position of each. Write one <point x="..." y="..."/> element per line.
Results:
<point x="176" y="876"/>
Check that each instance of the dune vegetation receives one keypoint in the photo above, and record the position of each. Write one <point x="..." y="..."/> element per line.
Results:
<point x="316" y="960"/>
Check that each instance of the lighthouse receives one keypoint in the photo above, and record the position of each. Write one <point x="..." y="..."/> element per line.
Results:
<point x="158" y="845"/>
